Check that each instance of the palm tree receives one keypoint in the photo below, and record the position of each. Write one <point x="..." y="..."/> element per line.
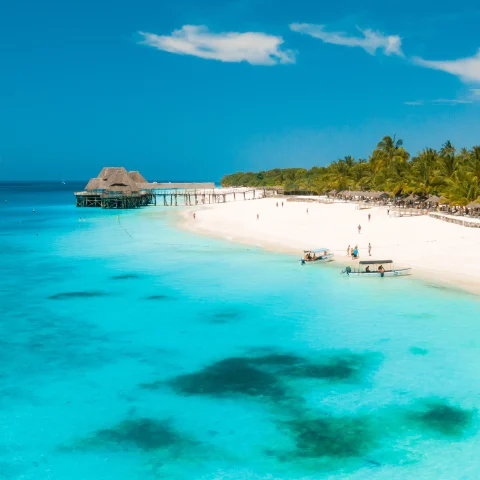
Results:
<point x="422" y="178"/>
<point x="448" y="161"/>
<point x="462" y="188"/>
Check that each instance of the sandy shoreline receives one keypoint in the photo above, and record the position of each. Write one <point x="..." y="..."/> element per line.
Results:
<point x="439" y="252"/>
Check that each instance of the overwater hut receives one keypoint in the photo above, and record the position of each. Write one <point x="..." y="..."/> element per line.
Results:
<point x="113" y="188"/>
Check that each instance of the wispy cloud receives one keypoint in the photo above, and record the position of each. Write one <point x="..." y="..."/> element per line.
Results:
<point x="473" y="96"/>
<point x="255" y="48"/>
<point x="369" y="40"/>
<point x="452" y="101"/>
<point x="467" y="69"/>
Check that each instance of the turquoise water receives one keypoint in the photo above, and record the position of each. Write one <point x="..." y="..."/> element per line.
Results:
<point x="133" y="350"/>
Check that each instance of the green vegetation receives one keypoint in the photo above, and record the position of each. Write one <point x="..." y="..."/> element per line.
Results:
<point x="445" y="173"/>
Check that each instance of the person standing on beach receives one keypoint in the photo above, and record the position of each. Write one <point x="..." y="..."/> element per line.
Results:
<point x="194" y="216"/>
<point x="307" y="210"/>
<point x="258" y="216"/>
<point x="388" y="211"/>
<point x="282" y="204"/>
<point x="348" y="251"/>
<point x="369" y="250"/>
<point x="369" y="217"/>
<point x="359" y="228"/>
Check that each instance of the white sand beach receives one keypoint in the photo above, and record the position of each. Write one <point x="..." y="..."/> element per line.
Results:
<point x="440" y="252"/>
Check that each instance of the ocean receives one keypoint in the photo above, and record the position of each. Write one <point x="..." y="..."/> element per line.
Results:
<point x="131" y="349"/>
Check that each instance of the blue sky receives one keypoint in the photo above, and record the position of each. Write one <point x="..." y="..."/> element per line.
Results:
<point x="192" y="90"/>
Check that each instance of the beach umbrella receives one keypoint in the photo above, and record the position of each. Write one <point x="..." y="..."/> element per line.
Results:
<point x="474" y="205"/>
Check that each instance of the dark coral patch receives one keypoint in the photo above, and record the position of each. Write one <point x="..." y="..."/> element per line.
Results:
<point x="226" y="316"/>
<point x="70" y="295"/>
<point x="443" y="418"/>
<point x="334" y="437"/>
<point x="264" y="375"/>
<point x="144" y="433"/>
<point x="159" y="297"/>
<point x="126" y="276"/>
<point x="228" y="377"/>
<point x="418" y="351"/>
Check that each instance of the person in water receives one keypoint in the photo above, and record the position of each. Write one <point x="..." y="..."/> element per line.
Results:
<point x="381" y="270"/>
<point x="367" y="270"/>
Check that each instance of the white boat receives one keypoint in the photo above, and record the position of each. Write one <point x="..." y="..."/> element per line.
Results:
<point x="319" y="255"/>
<point x="376" y="268"/>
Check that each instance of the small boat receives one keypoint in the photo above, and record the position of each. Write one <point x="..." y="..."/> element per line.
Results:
<point x="319" y="255"/>
<point x="376" y="268"/>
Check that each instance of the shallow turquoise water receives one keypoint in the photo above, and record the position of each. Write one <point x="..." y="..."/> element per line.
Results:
<point x="133" y="350"/>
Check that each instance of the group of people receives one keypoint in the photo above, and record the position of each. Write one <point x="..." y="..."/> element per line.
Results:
<point x="354" y="253"/>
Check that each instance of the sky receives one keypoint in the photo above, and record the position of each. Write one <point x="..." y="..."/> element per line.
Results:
<point x="195" y="89"/>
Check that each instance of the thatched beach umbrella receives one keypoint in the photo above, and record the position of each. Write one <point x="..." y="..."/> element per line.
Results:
<point x="433" y="199"/>
<point x="474" y="205"/>
<point x="411" y="198"/>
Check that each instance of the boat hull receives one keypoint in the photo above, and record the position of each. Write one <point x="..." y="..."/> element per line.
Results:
<point x="401" y="272"/>
<point x="325" y="259"/>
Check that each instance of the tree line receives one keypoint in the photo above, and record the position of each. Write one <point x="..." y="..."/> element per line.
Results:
<point x="448" y="173"/>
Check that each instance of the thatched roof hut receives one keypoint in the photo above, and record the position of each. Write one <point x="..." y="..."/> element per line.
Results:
<point x="113" y="179"/>
<point x="411" y="198"/>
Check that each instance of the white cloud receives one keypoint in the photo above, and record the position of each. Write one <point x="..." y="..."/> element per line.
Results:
<point x="467" y="69"/>
<point x="452" y="101"/>
<point x="444" y="101"/>
<point x="253" y="47"/>
<point x="370" y="41"/>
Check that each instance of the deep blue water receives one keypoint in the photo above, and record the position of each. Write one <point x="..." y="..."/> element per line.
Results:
<point x="133" y="350"/>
